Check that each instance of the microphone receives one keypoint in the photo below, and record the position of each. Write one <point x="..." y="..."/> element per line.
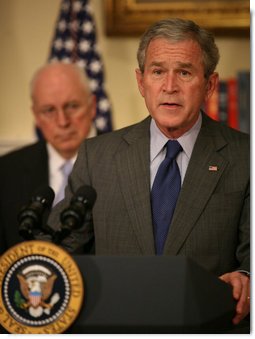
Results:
<point x="73" y="216"/>
<point x="30" y="217"/>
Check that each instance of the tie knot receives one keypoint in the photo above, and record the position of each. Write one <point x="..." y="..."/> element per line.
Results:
<point x="173" y="149"/>
<point x="66" y="168"/>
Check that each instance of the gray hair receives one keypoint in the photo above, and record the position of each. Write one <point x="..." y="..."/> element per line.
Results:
<point x="74" y="67"/>
<point x="176" y="30"/>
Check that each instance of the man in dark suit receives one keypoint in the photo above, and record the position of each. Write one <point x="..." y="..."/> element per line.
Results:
<point x="210" y="224"/>
<point x="64" y="109"/>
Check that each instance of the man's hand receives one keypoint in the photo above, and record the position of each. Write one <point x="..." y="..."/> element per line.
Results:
<point x="241" y="292"/>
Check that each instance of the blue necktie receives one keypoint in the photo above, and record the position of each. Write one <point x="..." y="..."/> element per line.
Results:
<point x="164" y="194"/>
<point x="65" y="169"/>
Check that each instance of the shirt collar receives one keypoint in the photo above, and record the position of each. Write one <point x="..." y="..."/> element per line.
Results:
<point x="55" y="159"/>
<point x="187" y="140"/>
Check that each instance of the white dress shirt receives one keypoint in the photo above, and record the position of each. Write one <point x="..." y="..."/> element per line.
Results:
<point x="56" y="163"/>
<point x="55" y="173"/>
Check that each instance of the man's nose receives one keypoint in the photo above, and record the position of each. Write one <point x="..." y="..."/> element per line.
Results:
<point x="170" y="83"/>
<point x="62" y="118"/>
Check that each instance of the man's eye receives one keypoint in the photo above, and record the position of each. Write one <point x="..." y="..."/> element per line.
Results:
<point x="48" y="110"/>
<point x="72" y="106"/>
<point x="157" y="71"/>
<point x="184" y="73"/>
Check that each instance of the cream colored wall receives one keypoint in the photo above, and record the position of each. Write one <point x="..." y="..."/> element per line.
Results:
<point x="27" y="27"/>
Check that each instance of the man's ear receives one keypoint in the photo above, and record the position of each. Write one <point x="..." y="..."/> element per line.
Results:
<point x="36" y="119"/>
<point x="93" y="107"/>
<point x="212" y="84"/>
<point x="139" y="79"/>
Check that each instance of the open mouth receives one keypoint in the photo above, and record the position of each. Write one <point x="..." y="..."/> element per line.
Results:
<point x="170" y="104"/>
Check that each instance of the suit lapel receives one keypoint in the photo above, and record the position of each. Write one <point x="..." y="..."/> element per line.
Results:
<point x="134" y="177"/>
<point x="205" y="168"/>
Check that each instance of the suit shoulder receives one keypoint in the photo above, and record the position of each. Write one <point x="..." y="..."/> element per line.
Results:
<point x="23" y="154"/>
<point x="112" y="139"/>
<point x="229" y="134"/>
<point x="235" y="136"/>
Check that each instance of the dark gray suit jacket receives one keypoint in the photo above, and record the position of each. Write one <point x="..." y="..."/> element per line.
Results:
<point x="211" y="220"/>
<point x="22" y="172"/>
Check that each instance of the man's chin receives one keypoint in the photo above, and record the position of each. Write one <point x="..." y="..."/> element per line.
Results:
<point x="170" y="123"/>
<point x="67" y="149"/>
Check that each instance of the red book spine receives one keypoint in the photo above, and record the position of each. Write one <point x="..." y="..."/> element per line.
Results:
<point x="232" y="94"/>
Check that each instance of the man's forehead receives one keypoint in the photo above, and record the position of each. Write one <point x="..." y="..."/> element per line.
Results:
<point x="183" y="53"/>
<point x="172" y="45"/>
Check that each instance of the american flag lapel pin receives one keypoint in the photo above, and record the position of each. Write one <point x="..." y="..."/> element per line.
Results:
<point x="213" y="168"/>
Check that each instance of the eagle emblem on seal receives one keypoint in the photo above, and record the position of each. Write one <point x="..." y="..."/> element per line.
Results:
<point x="36" y="285"/>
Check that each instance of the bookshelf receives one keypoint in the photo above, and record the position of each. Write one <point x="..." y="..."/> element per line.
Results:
<point x="230" y="102"/>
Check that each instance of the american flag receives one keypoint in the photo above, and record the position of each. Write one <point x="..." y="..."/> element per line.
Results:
<point x="75" y="41"/>
<point x="213" y="168"/>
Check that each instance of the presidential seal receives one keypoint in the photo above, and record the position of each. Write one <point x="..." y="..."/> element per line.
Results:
<point x="41" y="289"/>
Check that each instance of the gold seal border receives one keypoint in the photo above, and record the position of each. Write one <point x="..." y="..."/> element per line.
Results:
<point x="67" y="263"/>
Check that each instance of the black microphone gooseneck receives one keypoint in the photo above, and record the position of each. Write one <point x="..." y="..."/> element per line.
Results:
<point x="30" y="217"/>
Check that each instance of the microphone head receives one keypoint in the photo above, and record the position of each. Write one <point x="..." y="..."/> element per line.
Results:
<point x="85" y="194"/>
<point x="82" y="202"/>
<point x="33" y="215"/>
<point x="45" y="195"/>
